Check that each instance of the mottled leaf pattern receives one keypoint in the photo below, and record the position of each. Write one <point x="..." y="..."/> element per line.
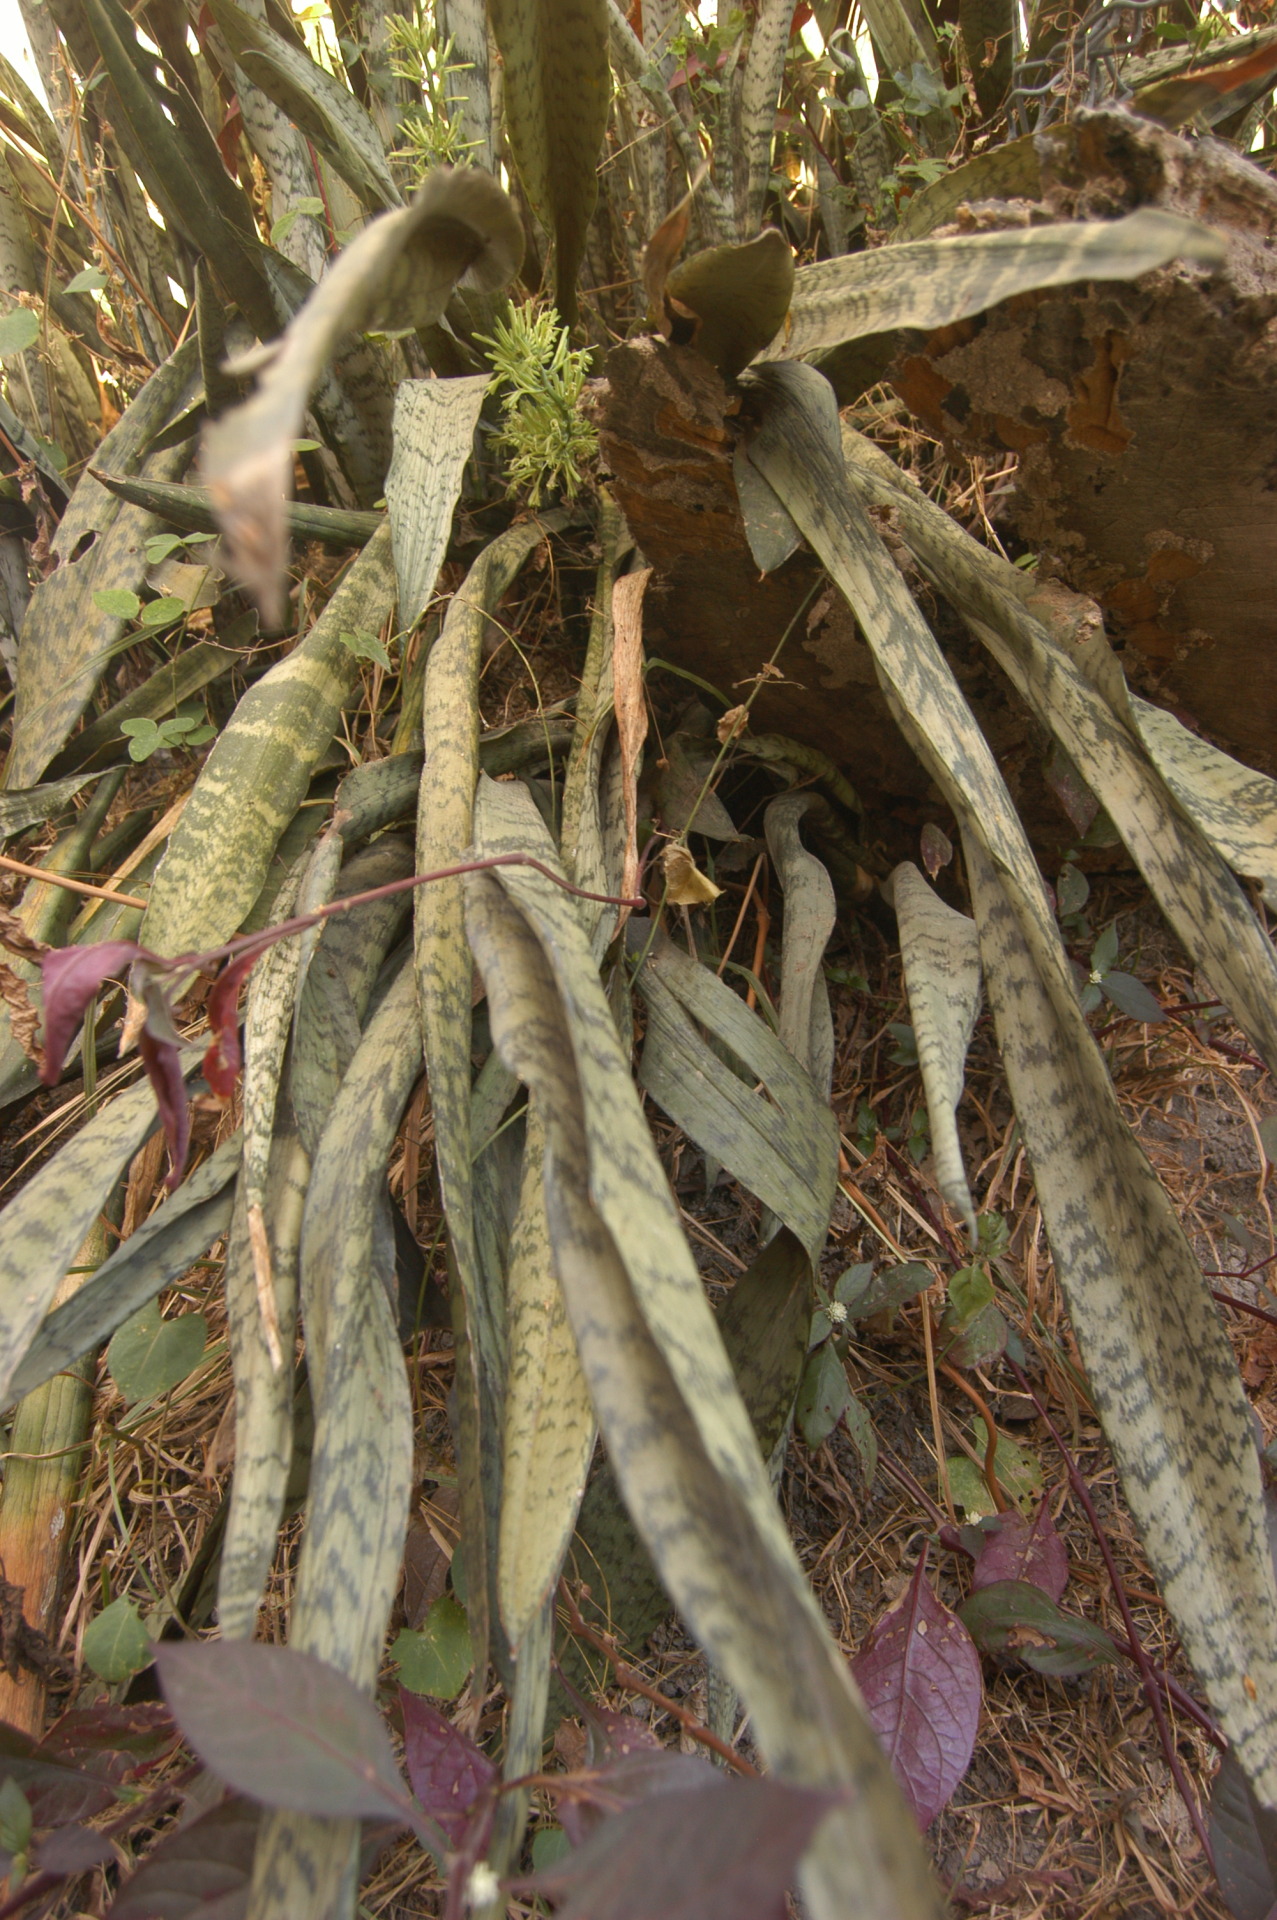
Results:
<point x="931" y="283"/>
<point x="677" y="1434"/>
<point x="259" y="769"/>
<point x="1160" y="1366"/>
<point x="941" y="953"/>
<point x="435" y="422"/>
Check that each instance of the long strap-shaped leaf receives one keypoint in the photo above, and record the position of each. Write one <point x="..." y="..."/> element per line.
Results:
<point x="557" y="93"/>
<point x="164" y="1247"/>
<point x="361" y="1467"/>
<point x="400" y="271"/>
<point x="66" y="640"/>
<point x="1235" y="807"/>
<point x="1160" y="1365"/>
<point x="941" y="955"/>
<point x="549" y="1420"/>
<point x="931" y="283"/>
<point x="434" y="437"/>
<point x="677" y="1433"/>
<point x="1185" y="872"/>
<point x="782" y="1145"/>
<point x="444" y="830"/>
<point x="41" y="1229"/>
<point x="803" y="1017"/>
<point x="258" y="771"/>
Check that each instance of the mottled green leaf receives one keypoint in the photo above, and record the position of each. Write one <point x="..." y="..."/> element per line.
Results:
<point x="677" y="1434"/>
<point x="1188" y="877"/>
<point x="161" y="1250"/>
<point x="1020" y="1622"/>
<point x="558" y="87"/>
<point x="781" y="1143"/>
<point x="941" y="953"/>
<point x="66" y="640"/>
<point x="1160" y="1367"/>
<point x="25" y="809"/>
<point x="19" y="329"/>
<point x="41" y="1230"/>
<point x="549" y="1421"/>
<point x="259" y="769"/>
<point x="324" y="110"/>
<point x="804" y="1021"/>
<point x="931" y="283"/>
<point x="399" y="272"/>
<point x="435" y="423"/>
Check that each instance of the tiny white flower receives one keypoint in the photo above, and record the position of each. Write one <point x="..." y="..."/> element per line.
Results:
<point x="482" y="1887"/>
<point x="837" y="1312"/>
<point x="1095" y="978"/>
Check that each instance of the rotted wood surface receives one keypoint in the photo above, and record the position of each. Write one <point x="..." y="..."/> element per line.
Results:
<point x="1145" y="420"/>
<point x="668" y="427"/>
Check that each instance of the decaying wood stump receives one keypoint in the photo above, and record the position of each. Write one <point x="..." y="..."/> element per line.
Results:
<point x="1145" y="419"/>
<point x="668" y="429"/>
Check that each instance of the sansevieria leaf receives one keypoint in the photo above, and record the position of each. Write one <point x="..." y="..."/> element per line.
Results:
<point x="1160" y="1366"/>
<point x="558" y="87"/>
<point x="399" y="272"/>
<point x="931" y="283"/>
<point x="678" y="1436"/>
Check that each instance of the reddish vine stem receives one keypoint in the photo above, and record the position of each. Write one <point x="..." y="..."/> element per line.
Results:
<point x="1148" y="1675"/>
<point x="635" y="1683"/>
<point x="981" y="1405"/>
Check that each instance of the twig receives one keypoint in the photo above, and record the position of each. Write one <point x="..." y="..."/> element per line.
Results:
<point x="635" y="1683"/>
<point x="1000" y="1500"/>
<point x="72" y="886"/>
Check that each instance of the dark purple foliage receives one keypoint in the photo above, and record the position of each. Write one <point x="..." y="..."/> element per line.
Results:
<point x="198" y="1872"/>
<point x="163" y="1065"/>
<point x="69" y="978"/>
<point x="224" y="1058"/>
<point x="1014" y="1548"/>
<point x="920" y="1677"/>
<point x="446" y="1770"/>
<point x="725" y="1852"/>
<point x="586" y="1799"/>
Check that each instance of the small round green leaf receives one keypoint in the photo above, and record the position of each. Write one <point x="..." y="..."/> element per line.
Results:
<point x="118" y="602"/>
<point x="18" y="331"/>
<point x="149" y="1355"/>
<point x="15" y="1818"/>
<point x="158" y="613"/>
<point x="366" y="646"/>
<point x="88" y="280"/>
<point x="116" y="1644"/>
<point x="437" y="1659"/>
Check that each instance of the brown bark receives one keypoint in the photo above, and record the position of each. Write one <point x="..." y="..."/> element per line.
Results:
<point x="668" y="427"/>
<point x="1145" y="418"/>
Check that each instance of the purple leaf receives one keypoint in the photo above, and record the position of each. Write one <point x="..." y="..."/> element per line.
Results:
<point x="163" y="1065"/>
<point x="69" y="977"/>
<point x="1244" y="1839"/>
<point x="587" y="1798"/>
<point x="113" y="1742"/>
<point x="57" y="1792"/>
<point x="726" y="1852"/>
<point x="284" y="1728"/>
<point x="199" y="1872"/>
<point x="920" y="1677"/>
<point x="224" y="1058"/>
<point x="446" y="1770"/>
<point x="615" y="1736"/>
<point x="73" y="1850"/>
<point x="1013" y="1548"/>
<point x="1017" y="1621"/>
